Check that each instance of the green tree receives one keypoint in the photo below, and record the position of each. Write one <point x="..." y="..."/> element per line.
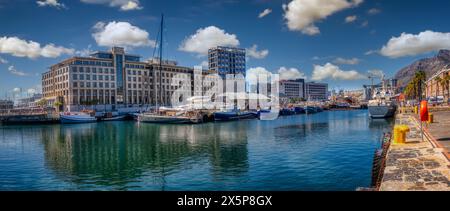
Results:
<point x="42" y="103"/>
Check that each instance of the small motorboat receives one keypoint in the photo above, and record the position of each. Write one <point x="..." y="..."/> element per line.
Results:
<point x="268" y="115"/>
<point x="113" y="116"/>
<point x="171" y="117"/>
<point x="76" y="117"/>
<point x="233" y="115"/>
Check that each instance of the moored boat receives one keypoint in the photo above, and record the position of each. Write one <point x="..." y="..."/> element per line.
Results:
<point x="76" y="117"/>
<point x="233" y="115"/>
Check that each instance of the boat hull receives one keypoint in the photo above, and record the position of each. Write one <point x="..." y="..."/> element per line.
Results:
<point x="232" y="116"/>
<point x="164" y="119"/>
<point x="118" y="118"/>
<point x="379" y="112"/>
<point x="76" y="119"/>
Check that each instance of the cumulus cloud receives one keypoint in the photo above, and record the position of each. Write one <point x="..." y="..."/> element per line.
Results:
<point x="85" y="52"/>
<point x="206" y="38"/>
<point x="204" y="64"/>
<point x="31" y="49"/>
<point x="351" y="19"/>
<point x="264" y="13"/>
<point x="257" y="74"/>
<point x="3" y="61"/>
<point x="14" y="71"/>
<point x="331" y="71"/>
<point x="373" y="11"/>
<point x="254" y="53"/>
<point x="51" y="3"/>
<point x="124" y="5"/>
<point x="412" y="45"/>
<point x="290" y="73"/>
<point x="352" y="61"/>
<point x="376" y="73"/>
<point x="301" y="15"/>
<point x="121" y="34"/>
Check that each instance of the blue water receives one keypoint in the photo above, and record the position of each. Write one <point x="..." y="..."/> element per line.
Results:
<point x="325" y="151"/>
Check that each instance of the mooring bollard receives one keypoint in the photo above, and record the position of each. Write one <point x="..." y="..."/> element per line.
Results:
<point x="430" y="118"/>
<point x="400" y="134"/>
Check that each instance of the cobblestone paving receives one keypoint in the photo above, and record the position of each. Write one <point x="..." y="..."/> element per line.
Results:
<point x="415" y="166"/>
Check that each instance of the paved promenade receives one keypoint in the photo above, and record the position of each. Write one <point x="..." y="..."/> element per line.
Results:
<point x="417" y="165"/>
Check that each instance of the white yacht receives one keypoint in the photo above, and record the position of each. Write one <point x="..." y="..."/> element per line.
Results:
<point x="383" y="104"/>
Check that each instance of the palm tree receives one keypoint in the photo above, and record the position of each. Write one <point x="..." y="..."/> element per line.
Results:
<point x="419" y="81"/>
<point x="446" y="85"/>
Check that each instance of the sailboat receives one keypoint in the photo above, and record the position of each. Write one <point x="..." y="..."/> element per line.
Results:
<point x="167" y="115"/>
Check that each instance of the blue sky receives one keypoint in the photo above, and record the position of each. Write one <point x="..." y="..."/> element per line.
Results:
<point x="288" y="34"/>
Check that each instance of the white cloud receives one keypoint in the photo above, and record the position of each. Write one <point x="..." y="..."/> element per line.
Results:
<point x="204" y="64"/>
<point x="412" y="45"/>
<point x="51" y="3"/>
<point x="3" y="61"/>
<point x="257" y="73"/>
<point x="373" y="11"/>
<point x="370" y="52"/>
<point x="302" y="14"/>
<point x="31" y="49"/>
<point x="124" y="5"/>
<point x="365" y="24"/>
<point x="331" y="71"/>
<point x="376" y="73"/>
<point x="31" y="91"/>
<point x="85" y="52"/>
<point x="206" y="38"/>
<point x="352" y="61"/>
<point x="350" y="19"/>
<point x="254" y="53"/>
<point x="121" y="34"/>
<point x="264" y="13"/>
<point x="290" y="73"/>
<point x="14" y="71"/>
<point x="17" y="90"/>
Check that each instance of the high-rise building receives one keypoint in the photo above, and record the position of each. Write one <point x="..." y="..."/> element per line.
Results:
<point x="113" y="79"/>
<point x="227" y="60"/>
<point x="316" y="91"/>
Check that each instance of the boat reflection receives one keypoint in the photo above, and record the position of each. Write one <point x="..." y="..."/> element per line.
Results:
<point x="118" y="154"/>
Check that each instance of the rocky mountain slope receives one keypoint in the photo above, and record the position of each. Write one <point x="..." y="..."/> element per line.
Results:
<point x="429" y="65"/>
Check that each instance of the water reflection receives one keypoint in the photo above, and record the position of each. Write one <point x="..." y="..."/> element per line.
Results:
<point x="116" y="154"/>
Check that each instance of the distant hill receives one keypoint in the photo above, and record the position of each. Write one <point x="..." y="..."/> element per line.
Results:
<point x="429" y="65"/>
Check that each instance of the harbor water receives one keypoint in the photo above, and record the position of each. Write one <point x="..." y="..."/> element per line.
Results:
<point x="326" y="151"/>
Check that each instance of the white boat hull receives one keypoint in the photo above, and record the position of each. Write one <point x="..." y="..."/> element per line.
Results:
<point x="382" y="111"/>
<point x="73" y="119"/>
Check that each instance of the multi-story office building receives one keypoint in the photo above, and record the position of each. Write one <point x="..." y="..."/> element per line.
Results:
<point x="316" y="91"/>
<point x="293" y="88"/>
<point x="227" y="60"/>
<point x="110" y="78"/>
<point x="172" y="75"/>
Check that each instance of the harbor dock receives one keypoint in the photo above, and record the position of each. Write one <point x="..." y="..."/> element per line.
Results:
<point x="419" y="165"/>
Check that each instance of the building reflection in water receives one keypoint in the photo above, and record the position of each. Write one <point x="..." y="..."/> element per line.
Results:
<point x="116" y="155"/>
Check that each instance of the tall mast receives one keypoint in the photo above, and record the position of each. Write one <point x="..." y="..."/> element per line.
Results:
<point x="160" y="58"/>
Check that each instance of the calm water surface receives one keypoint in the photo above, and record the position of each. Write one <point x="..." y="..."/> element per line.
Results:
<point x="325" y="151"/>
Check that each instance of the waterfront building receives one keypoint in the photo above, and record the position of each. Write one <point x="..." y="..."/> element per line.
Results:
<point x="110" y="80"/>
<point x="171" y="76"/>
<point x="227" y="60"/>
<point x="29" y="101"/>
<point x="437" y="87"/>
<point x="6" y="104"/>
<point x="316" y="91"/>
<point x="293" y="89"/>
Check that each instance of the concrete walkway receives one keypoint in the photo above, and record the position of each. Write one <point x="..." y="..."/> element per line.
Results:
<point x="416" y="165"/>
<point x="440" y="129"/>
